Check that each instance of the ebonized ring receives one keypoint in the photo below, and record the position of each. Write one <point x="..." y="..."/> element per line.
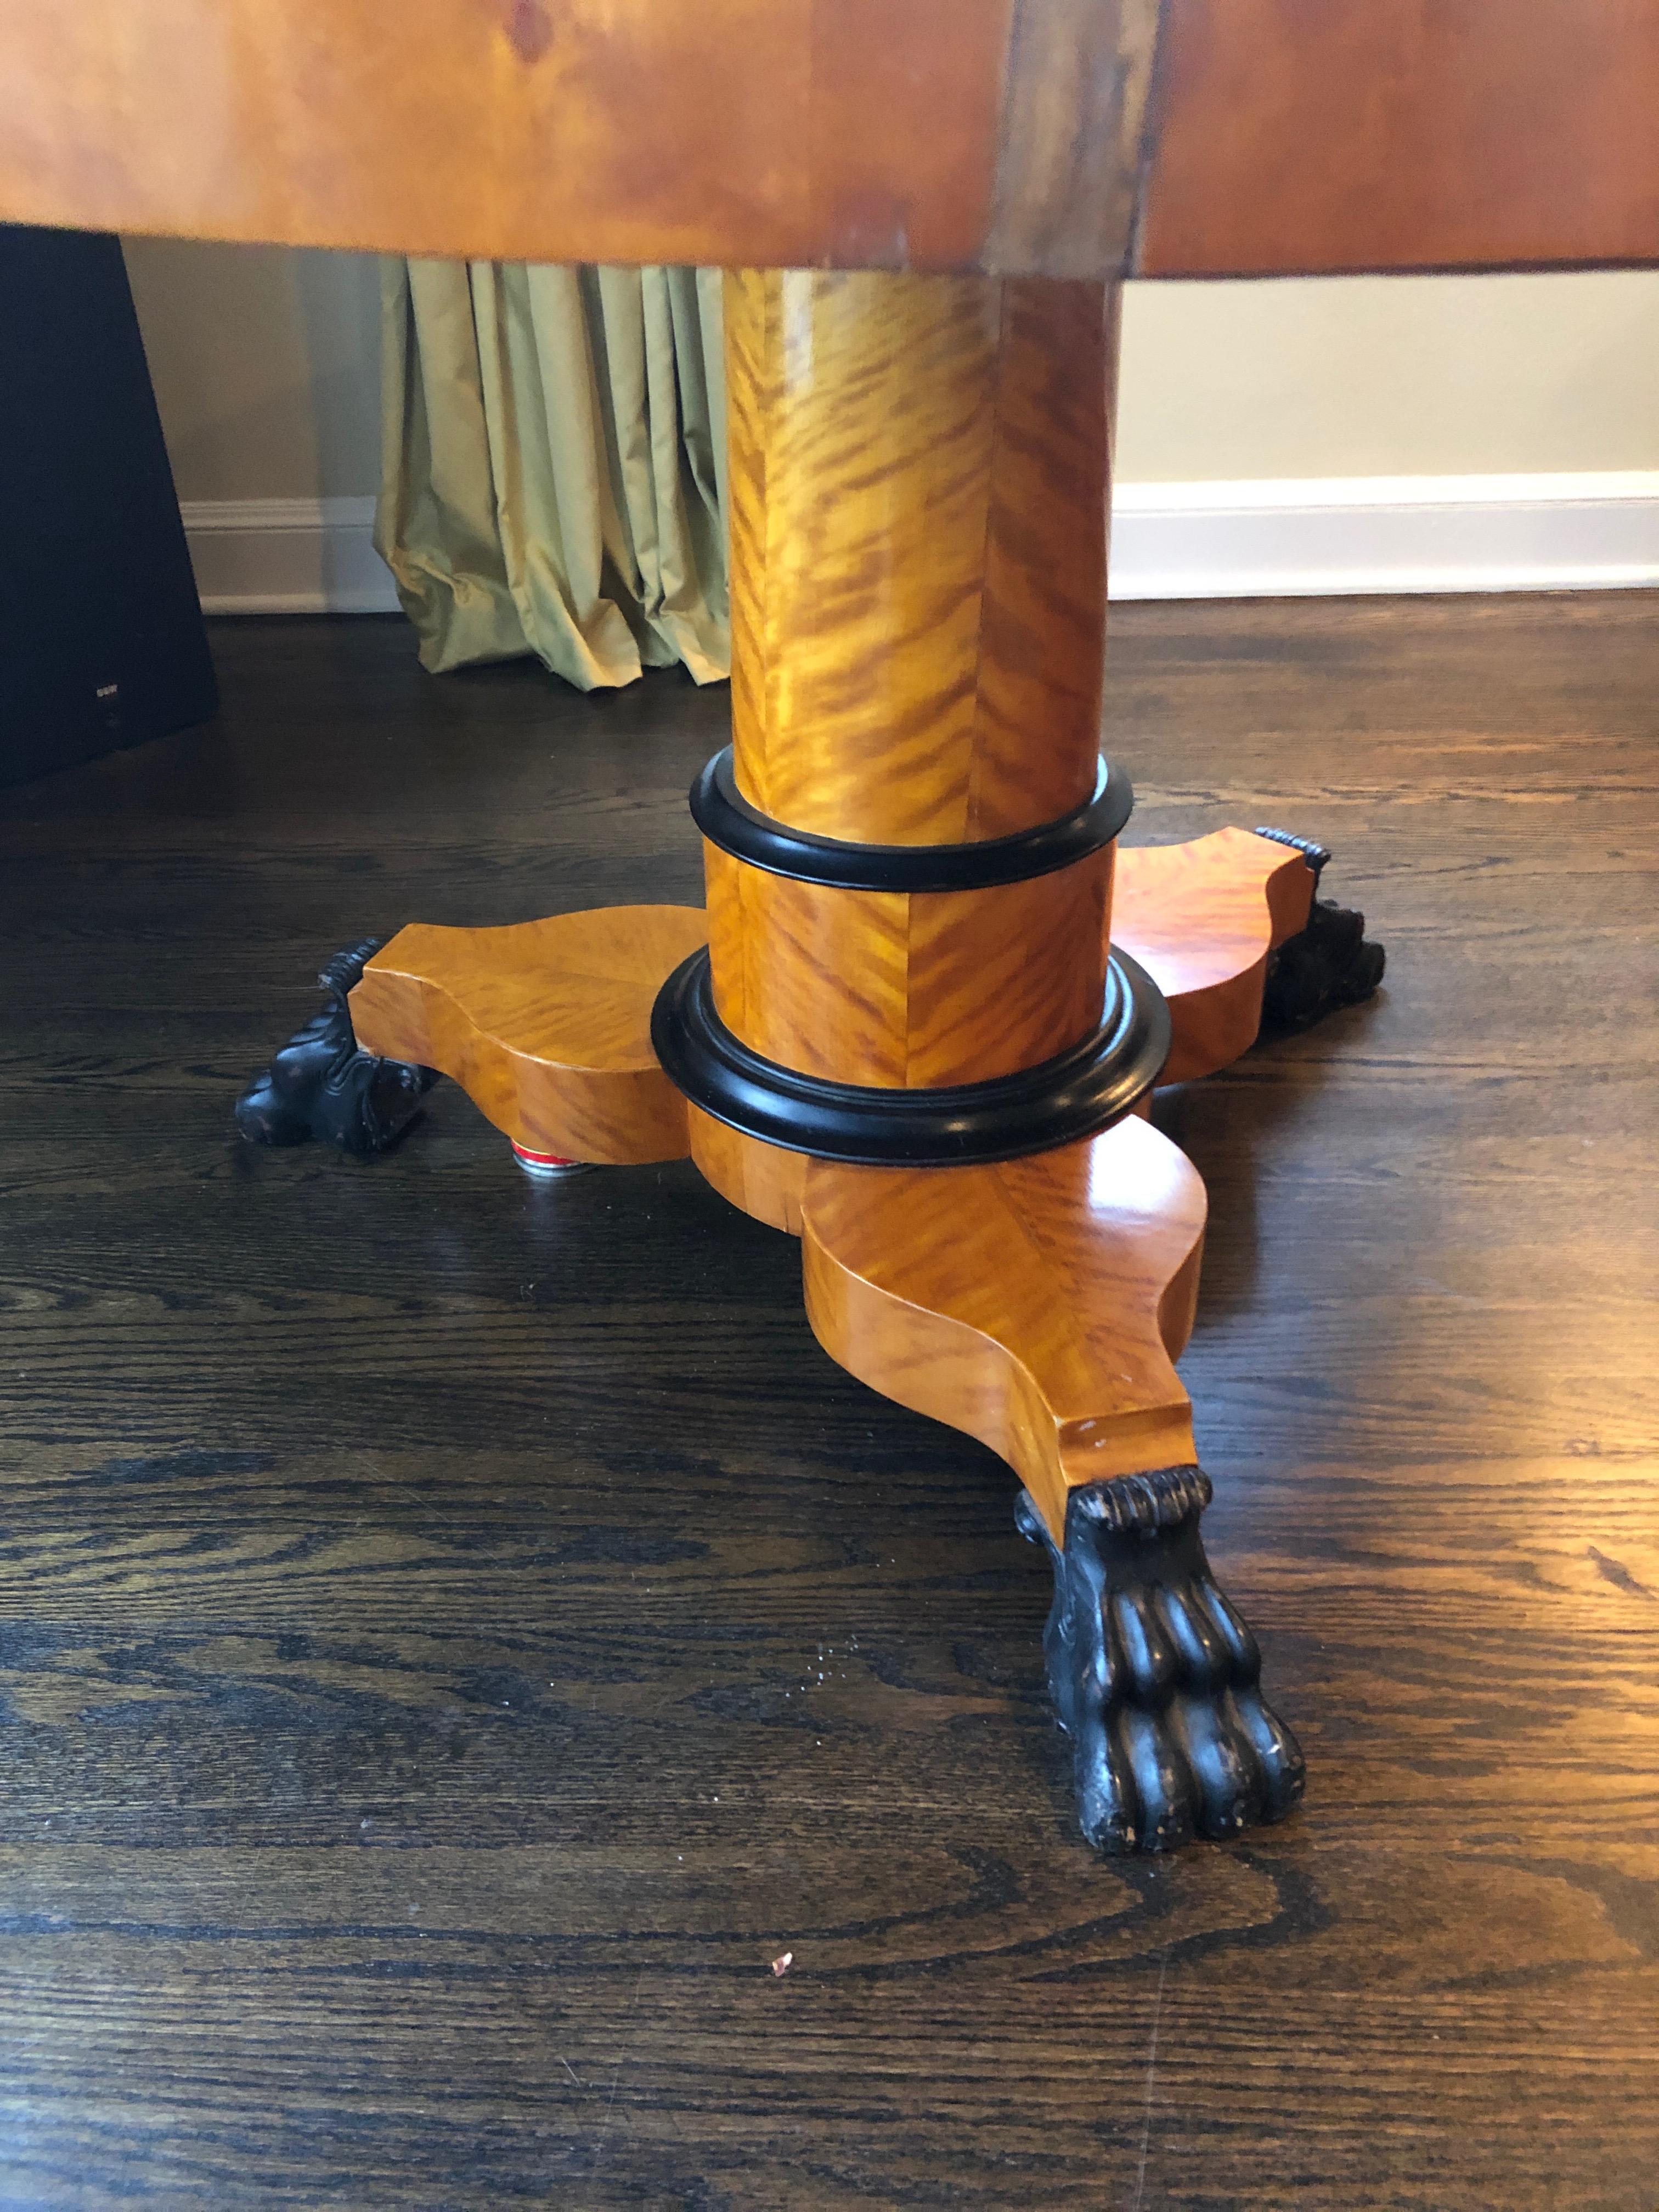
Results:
<point x="1071" y="1096"/>
<point x="726" y="820"/>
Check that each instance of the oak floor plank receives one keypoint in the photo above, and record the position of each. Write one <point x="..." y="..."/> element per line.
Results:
<point x="455" y="1634"/>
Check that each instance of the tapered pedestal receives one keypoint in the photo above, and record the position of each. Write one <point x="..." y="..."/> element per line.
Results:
<point x="919" y="1021"/>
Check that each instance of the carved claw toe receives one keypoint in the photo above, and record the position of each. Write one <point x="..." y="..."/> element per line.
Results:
<point x="1329" y="964"/>
<point x="320" y="1083"/>
<point x="1155" y="1676"/>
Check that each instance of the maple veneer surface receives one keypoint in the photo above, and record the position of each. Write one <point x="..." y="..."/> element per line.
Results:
<point x="457" y="1632"/>
<point x="920" y="482"/>
<point x="1066" y="138"/>
<point x="1317" y="136"/>
<point x="545" y="1024"/>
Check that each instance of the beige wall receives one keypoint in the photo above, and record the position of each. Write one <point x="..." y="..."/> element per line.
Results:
<point x="1363" y="376"/>
<point x="266" y="367"/>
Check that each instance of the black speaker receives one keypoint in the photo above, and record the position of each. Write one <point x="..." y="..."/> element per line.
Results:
<point x="101" y="642"/>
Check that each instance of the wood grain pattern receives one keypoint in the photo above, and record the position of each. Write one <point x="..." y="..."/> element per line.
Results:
<point x="546" y="1025"/>
<point x="1383" y="134"/>
<point x="1038" y="1304"/>
<point x="908" y="988"/>
<point x="1201" y="919"/>
<point x="455" y="1633"/>
<point x="945" y="134"/>
<point x="765" y="1181"/>
<point x="1010" y="136"/>
<point x="1069" y="167"/>
<point x="812" y="976"/>
<point x="999" y="980"/>
<point x="772" y="131"/>
<point x="919" y="488"/>
<point x="1043" y="605"/>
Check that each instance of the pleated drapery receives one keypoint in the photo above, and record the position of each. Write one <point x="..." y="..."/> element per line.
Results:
<point x="553" y="465"/>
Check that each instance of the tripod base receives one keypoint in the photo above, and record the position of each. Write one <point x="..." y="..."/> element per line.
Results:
<point x="1037" y="1303"/>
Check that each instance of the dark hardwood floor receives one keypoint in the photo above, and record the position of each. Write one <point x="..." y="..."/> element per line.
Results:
<point x="454" y="1633"/>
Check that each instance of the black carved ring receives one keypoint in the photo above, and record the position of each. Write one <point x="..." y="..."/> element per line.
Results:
<point x="1076" y="1093"/>
<point x="726" y="820"/>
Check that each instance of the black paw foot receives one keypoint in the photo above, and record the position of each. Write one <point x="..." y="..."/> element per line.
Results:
<point x="319" y="1084"/>
<point x="1156" y="1677"/>
<point x="1328" y="965"/>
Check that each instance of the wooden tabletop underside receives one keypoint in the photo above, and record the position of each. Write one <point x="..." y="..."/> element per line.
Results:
<point x="1065" y="137"/>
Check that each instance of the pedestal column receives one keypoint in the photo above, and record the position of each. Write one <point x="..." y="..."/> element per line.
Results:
<point x="920" y="473"/>
<point x="905" y="1037"/>
<point x="909" y="850"/>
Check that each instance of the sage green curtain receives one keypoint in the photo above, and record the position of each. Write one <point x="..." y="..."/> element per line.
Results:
<point x="553" y="465"/>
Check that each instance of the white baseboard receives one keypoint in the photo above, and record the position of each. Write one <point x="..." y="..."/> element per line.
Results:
<point x="1285" y="537"/>
<point x="287" y="557"/>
